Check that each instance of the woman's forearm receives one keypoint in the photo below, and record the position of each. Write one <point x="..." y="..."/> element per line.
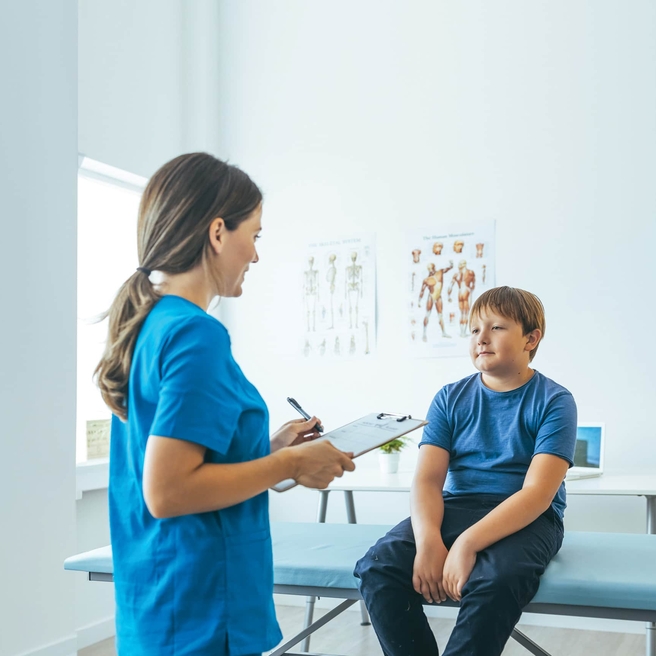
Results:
<point x="210" y="486"/>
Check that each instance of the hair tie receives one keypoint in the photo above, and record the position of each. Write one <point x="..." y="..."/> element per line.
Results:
<point x="144" y="270"/>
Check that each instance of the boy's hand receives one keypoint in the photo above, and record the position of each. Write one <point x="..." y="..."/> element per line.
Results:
<point x="427" y="573"/>
<point x="458" y="568"/>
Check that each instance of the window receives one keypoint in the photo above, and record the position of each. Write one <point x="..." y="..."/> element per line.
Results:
<point x="108" y="202"/>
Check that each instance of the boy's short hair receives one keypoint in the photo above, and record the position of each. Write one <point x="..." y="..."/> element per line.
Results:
<point x="516" y="304"/>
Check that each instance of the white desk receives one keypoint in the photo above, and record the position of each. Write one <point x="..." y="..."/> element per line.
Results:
<point x="634" y="485"/>
<point x="372" y="480"/>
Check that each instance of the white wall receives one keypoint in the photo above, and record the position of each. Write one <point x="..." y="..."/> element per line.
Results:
<point x="382" y="116"/>
<point x="146" y="70"/>
<point x="131" y="82"/>
<point x="38" y="168"/>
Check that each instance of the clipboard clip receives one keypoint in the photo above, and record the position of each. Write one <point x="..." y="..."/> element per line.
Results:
<point x="382" y="415"/>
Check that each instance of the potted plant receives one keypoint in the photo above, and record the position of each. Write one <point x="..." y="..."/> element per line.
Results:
<point x="389" y="454"/>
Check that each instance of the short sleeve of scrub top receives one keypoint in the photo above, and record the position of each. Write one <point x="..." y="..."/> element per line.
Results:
<point x="200" y="396"/>
<point x="198" y="584"/>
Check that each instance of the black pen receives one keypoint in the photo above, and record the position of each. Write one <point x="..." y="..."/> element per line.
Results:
<point x="294" y="403"/>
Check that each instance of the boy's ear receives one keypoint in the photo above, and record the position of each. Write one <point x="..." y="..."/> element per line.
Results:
<point x="533" y="339"/>
<point x="216" y="235"/>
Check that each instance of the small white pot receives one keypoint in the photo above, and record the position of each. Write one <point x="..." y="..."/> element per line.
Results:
<point x="389" y="462"/>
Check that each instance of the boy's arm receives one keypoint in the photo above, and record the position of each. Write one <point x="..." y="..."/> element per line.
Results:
<point x="542" y="481"/>
<point x="426" y="514"/>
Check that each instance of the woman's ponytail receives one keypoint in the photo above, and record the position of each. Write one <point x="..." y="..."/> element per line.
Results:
<point x="135" y="299"/>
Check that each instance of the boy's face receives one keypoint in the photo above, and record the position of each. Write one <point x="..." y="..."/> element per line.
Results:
<point x="498" y="346"/>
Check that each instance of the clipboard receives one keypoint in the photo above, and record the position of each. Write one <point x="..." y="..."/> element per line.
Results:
<point x="364" y="435"/>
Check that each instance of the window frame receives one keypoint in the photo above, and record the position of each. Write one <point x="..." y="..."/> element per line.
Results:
<point x="94" y="474"/>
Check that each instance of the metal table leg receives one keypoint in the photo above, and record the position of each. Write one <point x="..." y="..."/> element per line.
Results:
<point x="651" y="514"/>
<point x="309" y="601"/>
<point x="323" y="505"/>
<point x="350" y="507"/>
<point x="528" y="644"/>
<point x="651" y="529"/>
<point x="350" y="515"/>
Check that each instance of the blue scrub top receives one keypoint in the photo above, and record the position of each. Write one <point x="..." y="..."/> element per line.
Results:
<point x="199" y="584"/>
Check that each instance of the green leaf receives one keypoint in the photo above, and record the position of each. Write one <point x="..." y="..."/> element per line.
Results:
<point x="395" y="445"/>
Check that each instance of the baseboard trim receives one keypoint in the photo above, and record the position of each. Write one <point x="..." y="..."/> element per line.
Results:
<point x="96" y="632"/>
<point x="65" y="647"/>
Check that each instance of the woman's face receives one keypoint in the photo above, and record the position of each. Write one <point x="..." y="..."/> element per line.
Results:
<point x="238" y="253"/>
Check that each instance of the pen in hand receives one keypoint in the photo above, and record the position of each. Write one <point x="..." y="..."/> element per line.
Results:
<point x="302" y="412"/>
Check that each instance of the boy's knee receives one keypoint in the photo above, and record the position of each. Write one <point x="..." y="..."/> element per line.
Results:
<point x="390" y="559"/>
<point x="368" y="565"/>
<point x="379" y="570"/>
<point x="378" y="578"/>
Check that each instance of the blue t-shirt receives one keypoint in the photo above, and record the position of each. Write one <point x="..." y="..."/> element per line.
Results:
<point x="492" y="436"/>
<point x="199" y="584"/>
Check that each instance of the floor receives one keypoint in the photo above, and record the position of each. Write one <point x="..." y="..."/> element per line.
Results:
<point x="344" y="635"/>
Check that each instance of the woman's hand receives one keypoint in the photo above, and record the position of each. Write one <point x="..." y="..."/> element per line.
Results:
<point x="296" y="431"/>
<point x="318" y="463"/>
<point x="427" y="572"/>
<point x="458" y="568"/>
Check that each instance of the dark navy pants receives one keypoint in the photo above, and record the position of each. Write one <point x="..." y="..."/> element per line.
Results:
<point x="504" y="580"/>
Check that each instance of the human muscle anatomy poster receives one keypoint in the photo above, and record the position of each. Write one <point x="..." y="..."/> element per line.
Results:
<point x="339" y="299"/>
<point x="447" y="269"/>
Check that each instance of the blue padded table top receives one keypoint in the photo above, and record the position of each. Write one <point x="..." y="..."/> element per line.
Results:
<point x="611" y="570"/>
<point x="97" y="560"/>
<point x="320" y="555"/>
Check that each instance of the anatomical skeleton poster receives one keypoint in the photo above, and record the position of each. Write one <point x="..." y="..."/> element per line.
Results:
<point x="339" y="299"/>
<point x="448" y="267"/>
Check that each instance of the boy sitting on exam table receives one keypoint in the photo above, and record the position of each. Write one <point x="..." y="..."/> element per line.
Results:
<point x="488" y="497"/>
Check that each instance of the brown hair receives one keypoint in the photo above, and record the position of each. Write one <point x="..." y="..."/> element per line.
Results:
<point x="516" y="304"/>
<point x="177" y="207"/>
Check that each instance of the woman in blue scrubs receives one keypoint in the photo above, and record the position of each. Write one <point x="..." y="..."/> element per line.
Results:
<point x="191" y="455"/>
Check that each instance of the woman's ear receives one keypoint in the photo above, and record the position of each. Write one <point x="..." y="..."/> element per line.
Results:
<point x="533" y="339"/>
<point x="216" y="234"/>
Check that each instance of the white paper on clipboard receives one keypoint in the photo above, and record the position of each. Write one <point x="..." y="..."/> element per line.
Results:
<point x="363" y="435"/>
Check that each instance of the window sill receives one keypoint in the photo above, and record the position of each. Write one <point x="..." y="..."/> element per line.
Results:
<point x="91" y="475"/>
